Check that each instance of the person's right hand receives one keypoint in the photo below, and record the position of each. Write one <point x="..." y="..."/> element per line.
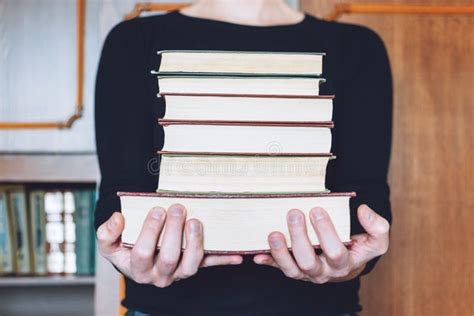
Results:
<point x="143" y="264"/>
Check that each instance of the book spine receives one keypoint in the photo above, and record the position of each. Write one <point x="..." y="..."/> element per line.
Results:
<point x="70" y="256"/>
<point x="93" y="200"/>
<point x="166" y="122"/>
<point x="7" y="265"/>
<point x="54" y="232"/>
<point x="249" y="252"/>
<point x="85" y="248"/>
<point x="38" y="232"/>
<point x="19" y="208"/>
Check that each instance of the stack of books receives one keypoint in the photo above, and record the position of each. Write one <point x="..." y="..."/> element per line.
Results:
<point x="247" y="138"/>
<point x="46" y="231"/>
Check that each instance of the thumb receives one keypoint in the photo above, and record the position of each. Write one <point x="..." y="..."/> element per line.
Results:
<point x="108" y="234"/>
<point x="375" y="242"/>
<point x="374" y="224"/>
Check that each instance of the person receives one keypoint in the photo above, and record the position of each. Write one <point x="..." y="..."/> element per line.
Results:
<point x="301" y="282"/>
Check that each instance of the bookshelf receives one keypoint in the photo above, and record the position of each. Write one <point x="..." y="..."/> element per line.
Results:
<point x="40" y="281"/>
<point x="57" y="294"/>
<point x="49" y="168"/>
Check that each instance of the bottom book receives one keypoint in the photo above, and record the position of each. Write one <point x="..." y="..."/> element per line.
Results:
<point x="237" y="223"/>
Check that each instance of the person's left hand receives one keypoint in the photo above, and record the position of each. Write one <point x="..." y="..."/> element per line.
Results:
<point x="336" y="263"/>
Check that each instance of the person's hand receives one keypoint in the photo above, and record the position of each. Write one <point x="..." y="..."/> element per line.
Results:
<point x="142" y="264"/>
<point x="336" y="263"/>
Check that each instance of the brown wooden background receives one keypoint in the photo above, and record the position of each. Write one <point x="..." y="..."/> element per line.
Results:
<point x="429" y="269"/>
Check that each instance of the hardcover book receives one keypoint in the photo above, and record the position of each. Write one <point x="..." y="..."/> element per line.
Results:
<point x="18" y="205"/>
<point x="222" y="85"/>
<point x="38" y="232"/>
<point x="257" y="108"/>
<point x="85" y="234"/>
<point x="69" y="233"/>
<point x="241" y="62"/>
<point x="55" y="231"/>
<point x="247" y="137"/>
<point x="238" y="223"/>
<point x="7" y="240"/>
<point x="242" y="174"/>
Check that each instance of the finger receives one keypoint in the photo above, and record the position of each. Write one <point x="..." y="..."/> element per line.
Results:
<point x="282" y="256"/>
<point x="194" y="252"/>
<point x="376" y="241"/>
<point x="108" y="234"/>
<point x="170" y="249"/>
<point x="302" y="249"/>
<point x="110" y="244"/>
<point x="334" y="251"/>
<point x="265" y="259"/>
<point x="143" y="252"/>
<point x="221" y="260"/>
<point x="374" y="224"/>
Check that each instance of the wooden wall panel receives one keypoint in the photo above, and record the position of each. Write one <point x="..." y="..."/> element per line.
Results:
<point x="429" y="269"/>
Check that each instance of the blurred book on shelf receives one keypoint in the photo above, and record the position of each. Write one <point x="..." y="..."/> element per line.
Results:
<point x="47" y="230"/>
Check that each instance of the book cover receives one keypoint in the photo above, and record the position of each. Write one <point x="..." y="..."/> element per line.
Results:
<point x="234" y="173"/>
<point x="166" y="122"/>
<point x="70" y="256"/>
<point x="237" y="223"/>
<point x="241" y="63"/>
<point x="55" y="231"/>
<point x="38" y="231"/>
<point x="7" y="252"/>
<point x="18" y="205"/>
<point x="85" y="242"/>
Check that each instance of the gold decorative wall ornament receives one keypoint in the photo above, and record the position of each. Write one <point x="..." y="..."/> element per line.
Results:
<point x="77" y="112"/>
<point x="153" y="7"/>
<point x="348" y="8"/>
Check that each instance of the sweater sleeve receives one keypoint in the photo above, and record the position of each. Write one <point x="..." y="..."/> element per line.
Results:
<point x="363" y="119"/>
<point x="124" y="118"/>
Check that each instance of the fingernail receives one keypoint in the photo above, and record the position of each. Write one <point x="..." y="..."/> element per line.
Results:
<point x="295" y="218"/>
<point x="112" y="222"/>
<point x="157" y="213"/>
<point x="318" y="213"/>
<point x="260" y="261"/>
<point x="237" y="260"/>
<point x="194" y="228"/>
<point x="275" y="242"/>
<point x="367" y="212"/>
<point x="176" y="210"/>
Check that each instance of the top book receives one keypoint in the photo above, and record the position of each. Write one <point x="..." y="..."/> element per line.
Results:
<point x="241" y="63"/>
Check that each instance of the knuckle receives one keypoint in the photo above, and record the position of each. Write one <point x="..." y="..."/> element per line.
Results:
<point x="141" y="253"/>
<point x="141" y="278"/>
<point x="168" y="262"/>
<point x="162" y="282"/>
<point x="308" y="266"/>
<point x="293" y="274"/>
<point x="340" y="273"/>
<point x="188" y="272"/>
<point x="336" y="254"/>
<point x="320" y="279"/>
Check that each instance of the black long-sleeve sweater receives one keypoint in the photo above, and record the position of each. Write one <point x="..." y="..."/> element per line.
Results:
<point x="358" y="73"/>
